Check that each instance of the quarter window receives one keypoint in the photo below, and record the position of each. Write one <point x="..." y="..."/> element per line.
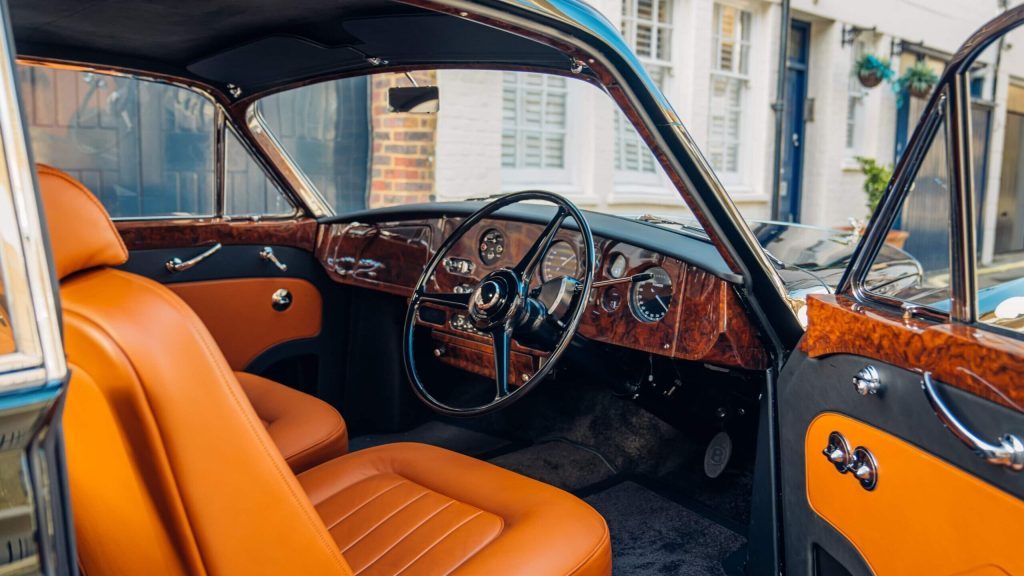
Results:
<point x="914" y="264"/>
<point x="730" y="77"/>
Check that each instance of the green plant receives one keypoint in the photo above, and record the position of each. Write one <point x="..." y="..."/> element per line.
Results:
<point x="918" y="80"/>
<point x="876" y="179"/>
<point x="871" y="70"/>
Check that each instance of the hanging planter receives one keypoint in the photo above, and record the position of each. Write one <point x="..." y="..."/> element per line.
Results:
<point x="918" y="80"/>
<point x="871" y="70"/>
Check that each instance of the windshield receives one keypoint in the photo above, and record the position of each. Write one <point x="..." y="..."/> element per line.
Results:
<point x="493" y="132"/>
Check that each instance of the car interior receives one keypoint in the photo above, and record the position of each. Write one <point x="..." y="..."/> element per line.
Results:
<point x="393" y="388"/>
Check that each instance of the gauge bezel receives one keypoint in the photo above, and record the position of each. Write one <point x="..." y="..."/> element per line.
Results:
<point x="614" y="258"/>
<point x="498" y="256"/>
<point x="634" y="306"/>
<point x="543" y="261"/>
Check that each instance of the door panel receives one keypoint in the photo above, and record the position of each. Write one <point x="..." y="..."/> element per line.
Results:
<point x="241" y="316"/>
<point x="909" y="523"/>
<point x="817" y="381"/>
<point x="232" y="290"/>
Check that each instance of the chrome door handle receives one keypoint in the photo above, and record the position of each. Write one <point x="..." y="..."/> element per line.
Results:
<point x="176" y="265"/>
<point x="1010" y="450"/>
<point x="267" y="253"/>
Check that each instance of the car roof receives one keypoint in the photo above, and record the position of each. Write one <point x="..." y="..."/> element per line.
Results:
<point x="260" y="45"/>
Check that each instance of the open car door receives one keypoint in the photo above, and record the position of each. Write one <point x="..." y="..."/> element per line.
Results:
<point x="35" y="527"/>
<point x="901" y="414"/>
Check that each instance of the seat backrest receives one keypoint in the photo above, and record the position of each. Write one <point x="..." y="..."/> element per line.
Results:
<point x="170" y="469"/>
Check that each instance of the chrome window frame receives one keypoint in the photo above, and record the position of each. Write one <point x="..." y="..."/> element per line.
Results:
<point x="222" y="121"/>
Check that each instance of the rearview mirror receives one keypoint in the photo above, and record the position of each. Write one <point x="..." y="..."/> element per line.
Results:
<point x="414" y="99"/>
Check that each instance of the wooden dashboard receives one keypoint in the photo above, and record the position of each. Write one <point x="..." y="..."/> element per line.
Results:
<point x="704" y="320"/>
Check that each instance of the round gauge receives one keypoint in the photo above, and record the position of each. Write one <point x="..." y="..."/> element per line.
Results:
<point x="617" y="268"/>
<point x="492" y="246"/>
<point x="611" y="299"/>
<point x="560" y="260"/>
<point x="650" y="299"/>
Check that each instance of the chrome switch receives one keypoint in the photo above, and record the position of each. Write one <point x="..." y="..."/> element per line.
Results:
<point x="838" y="452"/>
<point x="864" y="468"/>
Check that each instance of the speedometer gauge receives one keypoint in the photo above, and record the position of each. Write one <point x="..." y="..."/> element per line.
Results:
<point x="650" y="299"/>
<point x="560" y="260"/>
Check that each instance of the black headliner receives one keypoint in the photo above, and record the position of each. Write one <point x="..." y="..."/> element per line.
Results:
<point x="240" y="41"/>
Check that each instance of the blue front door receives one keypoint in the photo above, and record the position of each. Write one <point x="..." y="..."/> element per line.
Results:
<point x="793" y="131"/>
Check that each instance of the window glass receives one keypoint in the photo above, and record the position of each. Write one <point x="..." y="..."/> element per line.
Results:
<point x="326" y="128"/>
<point x="647" y="28"/>
<point x="997" y="150"/>
<point x="534" y="121"/>
<point x="144" y="148"/>
<point x="856" y="94"/>
<point x="247" y="188"/>
<point x="914" y="267"/>
<point x="730" y="79"/>
<point x="494" y="132"/>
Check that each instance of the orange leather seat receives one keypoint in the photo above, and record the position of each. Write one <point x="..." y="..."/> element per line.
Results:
<point x="172" y="471"/>
<point x="307" y="430"/>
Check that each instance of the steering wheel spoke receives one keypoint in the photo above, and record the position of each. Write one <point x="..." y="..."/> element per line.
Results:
<point x="502" y="340"/>
<point x="457" y="300"/>
<point x="528" y="265"/>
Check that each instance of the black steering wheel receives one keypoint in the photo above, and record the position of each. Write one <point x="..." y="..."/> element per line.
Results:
<point x="503" y="306"/>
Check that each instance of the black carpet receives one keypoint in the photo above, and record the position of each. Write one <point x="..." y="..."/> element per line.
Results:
<point x="559" y="463"/>
<point x="652" y="535"/>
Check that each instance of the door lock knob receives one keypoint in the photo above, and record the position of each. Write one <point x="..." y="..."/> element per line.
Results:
<point x="867" y="381"/>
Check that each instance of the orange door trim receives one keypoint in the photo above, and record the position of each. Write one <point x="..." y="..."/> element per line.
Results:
<point x="925" y="516"/>
<point x="240" y="316"/>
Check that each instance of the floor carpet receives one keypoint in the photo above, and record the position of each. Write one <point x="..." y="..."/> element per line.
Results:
<point x="559" y="463"/>
<point x="654" y="536"/>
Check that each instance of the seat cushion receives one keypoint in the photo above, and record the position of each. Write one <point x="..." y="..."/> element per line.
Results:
<point x="417" y="509"/>
<point x="307" y="430"/>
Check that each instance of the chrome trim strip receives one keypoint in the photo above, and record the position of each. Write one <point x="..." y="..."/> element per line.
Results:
<point x="269" y="145"/>
<point x="961" y="242"/>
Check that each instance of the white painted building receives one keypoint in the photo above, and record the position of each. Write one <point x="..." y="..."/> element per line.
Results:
<point x="717" y="63"/>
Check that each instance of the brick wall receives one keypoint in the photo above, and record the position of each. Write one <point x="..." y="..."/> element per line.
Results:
<point x="404" y="147"/>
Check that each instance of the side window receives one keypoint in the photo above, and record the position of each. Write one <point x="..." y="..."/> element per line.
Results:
<point x="914" y="264"/>
<point x="997" y="150"/>
<point x="145" y="148"/>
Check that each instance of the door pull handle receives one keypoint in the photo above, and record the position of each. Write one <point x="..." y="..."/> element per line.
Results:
<point x="176" y="264"/>
<point x="1009" y="451"/>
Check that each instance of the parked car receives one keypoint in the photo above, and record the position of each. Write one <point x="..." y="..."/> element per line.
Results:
<point x="285" y="354"/>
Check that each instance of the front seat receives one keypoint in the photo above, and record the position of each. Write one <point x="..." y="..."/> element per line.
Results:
<point x="171" y="471"/>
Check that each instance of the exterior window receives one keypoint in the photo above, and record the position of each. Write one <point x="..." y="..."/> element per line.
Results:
<point x="534" y="122"/>
<point x="854" y="104"/>
<point x="145" y="148"/>
<point x="647" y="27"/>
<point x="729" y="84"/>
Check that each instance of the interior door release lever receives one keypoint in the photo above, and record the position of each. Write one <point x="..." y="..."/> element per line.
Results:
<point x="176" y="265"/>
<point x="267" y="253"/>
<point x="1010" y="450"/>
